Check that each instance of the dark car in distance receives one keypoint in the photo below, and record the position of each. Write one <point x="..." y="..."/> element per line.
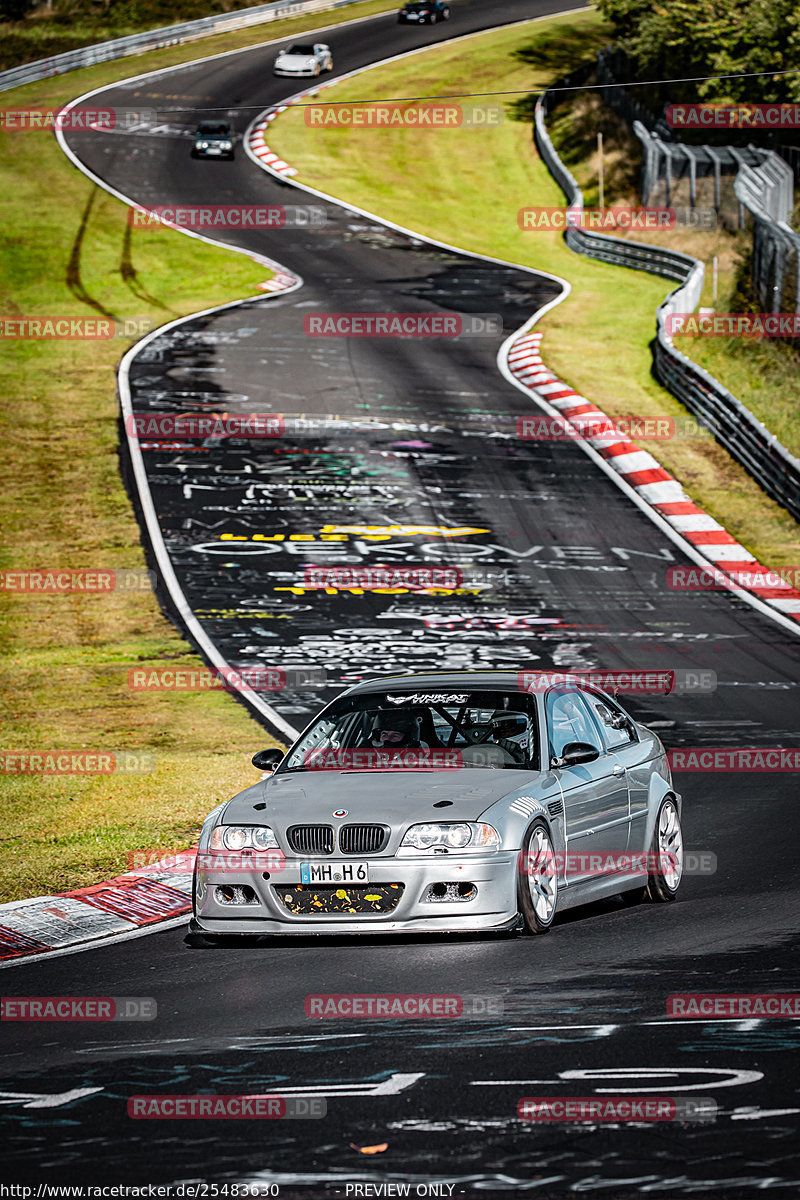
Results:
<point x="423" y="12"/>
<point x="213" y="139"/>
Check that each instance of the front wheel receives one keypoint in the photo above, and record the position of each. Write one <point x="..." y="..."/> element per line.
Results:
<point x="537" y="880"/>
<point x="667" y="852"/>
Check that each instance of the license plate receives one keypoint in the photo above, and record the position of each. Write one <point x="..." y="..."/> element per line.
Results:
<point x="334" y="872"/>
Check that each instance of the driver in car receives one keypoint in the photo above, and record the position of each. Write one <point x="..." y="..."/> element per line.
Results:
<point x="508" y="731"/>
<point x="396" y="728"/>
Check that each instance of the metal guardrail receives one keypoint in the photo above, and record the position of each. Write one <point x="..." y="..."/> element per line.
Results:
<point x="733" y="425"/>
<point x="157" y="39"/>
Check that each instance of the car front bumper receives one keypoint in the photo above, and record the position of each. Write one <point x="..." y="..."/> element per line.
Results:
<point x="493" y="906"/>
<point x="295" y="72"/>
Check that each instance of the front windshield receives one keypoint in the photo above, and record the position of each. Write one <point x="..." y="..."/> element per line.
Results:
<point x="403" y="730"/>
<point x="208" y="129"/>
<point x="301" y="49"/>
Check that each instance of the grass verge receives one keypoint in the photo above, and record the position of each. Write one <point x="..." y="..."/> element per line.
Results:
<point x="466" y="187"/>
<point x="66" y="249"/>
<point x="75" y="23"/>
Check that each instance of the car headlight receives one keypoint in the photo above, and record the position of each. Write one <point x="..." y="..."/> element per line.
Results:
<point x="226" y="145"/>
<point x="461" y="835"/>
<point x="202" y="145"/>
<point x="240" y="837"/>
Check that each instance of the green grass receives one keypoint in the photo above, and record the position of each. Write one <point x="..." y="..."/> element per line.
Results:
<point x="66" y="249"/>
<point x="73" y="24"/>
<point x="465" y="187"/>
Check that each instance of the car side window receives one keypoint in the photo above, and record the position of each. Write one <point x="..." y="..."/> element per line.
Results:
<point x="569" y="720"/>
<point x="615" y="726"/>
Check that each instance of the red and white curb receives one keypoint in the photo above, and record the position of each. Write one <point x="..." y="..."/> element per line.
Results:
<point x="256" y="140"/>
<point x="121" y="905"/>
<point x="652" y="483"/>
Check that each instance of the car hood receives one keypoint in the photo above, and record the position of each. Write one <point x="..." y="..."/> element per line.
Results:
<point x="390" y="797"/>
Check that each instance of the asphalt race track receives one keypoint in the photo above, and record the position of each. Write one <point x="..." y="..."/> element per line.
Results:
<point x="574" y="576"/>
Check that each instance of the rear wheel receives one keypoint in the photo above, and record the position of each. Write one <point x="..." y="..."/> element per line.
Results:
<point x="667" y="849"/>
<point x="537" y="879"/>
<point x="666" y="853"/>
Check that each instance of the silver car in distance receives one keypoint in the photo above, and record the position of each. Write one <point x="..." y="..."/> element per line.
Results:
<point x="303" y="58"/>
<point x="455" y="802"/>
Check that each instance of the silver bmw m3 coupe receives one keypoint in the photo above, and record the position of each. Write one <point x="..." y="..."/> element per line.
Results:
<point x="470" y="801"/>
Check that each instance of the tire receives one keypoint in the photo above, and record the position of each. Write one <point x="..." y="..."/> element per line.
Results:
<point x="664" y="881"/>
<point x="537" y="891"/>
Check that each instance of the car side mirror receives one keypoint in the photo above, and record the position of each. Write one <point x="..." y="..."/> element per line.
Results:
<point x="574" y="754"/>
<point x="267" y="760"/>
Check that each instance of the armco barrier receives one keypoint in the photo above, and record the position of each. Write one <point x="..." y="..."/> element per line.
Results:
<point x="733" y="425"/>
<point x="157" y="39"/>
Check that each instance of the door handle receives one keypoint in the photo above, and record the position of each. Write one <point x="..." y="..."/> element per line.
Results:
<point x="618" y="770"/>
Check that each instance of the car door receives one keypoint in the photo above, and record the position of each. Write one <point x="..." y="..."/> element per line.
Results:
<point x="596" y="805"/>
<point x="621" y="739"/>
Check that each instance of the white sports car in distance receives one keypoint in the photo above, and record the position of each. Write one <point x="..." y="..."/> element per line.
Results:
<point x="303" y="58"/>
